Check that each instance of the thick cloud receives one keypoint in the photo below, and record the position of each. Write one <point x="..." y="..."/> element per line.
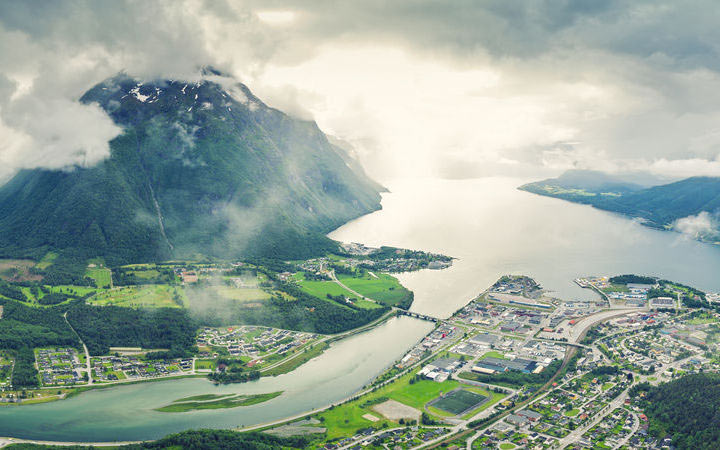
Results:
<point x="456" y="89"/>
<point x="702" y="225"/>
<point x="52" y="52"/>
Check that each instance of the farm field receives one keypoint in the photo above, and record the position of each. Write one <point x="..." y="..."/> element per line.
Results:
<point x="155" y="296"/>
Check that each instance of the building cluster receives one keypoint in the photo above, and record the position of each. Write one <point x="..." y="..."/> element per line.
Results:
<point x="632" y="294"/>
<point x="115" y="368"/>
<point x="504" y="433"/>
<point x="59" y="366"/>
<point x="517" y="285"/>
<point x="441" y="369"/>
<point x="568" y="407"/>
<point x="505" y="318"/>
<point x="442" y="335"/>
<point x="254" y="341"/>
<point x="492" y="365"/>
<point x="398" y="438"/>
<point x="612" y="432"/>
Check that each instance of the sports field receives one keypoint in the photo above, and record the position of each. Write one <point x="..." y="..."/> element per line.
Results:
<point x="459" y="401"/>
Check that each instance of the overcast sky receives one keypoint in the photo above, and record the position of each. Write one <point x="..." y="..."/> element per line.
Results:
<point x="420" y="88"/>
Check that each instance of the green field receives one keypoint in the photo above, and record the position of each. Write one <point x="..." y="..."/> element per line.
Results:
<point x="149" y="274"/>
<point x="201" y="364"/>
<point x="75" y="290"/>
<point x="385" y="289"/>
<point x="155" y="296"/>
<point x="459" y="401"/>
<point x="344" y="420"/>
<point x="101" y="275"/>
<point x="382" y="287"/>
<point x="242" y="294"/>
<point x="321" y="289"/>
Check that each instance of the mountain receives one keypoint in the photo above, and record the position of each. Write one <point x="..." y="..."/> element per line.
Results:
<point x="583" y="185"/>
<point x="662" y="206"/>
<point x="201" y="168"/>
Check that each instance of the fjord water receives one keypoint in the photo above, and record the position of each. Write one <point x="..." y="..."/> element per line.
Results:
<point x="490" y="226"/>
<point x="495" y="229"/>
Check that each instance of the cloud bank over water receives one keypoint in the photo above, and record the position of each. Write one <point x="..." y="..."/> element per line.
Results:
<point x="701" y="225"/>
<point x="420" y="88"/>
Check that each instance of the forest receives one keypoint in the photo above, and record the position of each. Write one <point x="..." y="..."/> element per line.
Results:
<point x="112" y="326"/>
<point x="686" y="409"/>
<point x="200" y="440"/>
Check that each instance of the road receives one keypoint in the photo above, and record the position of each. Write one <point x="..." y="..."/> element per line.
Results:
<point x="87" y="353"/>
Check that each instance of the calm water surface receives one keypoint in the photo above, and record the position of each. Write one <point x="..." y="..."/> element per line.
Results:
<point x="492" y="229"/>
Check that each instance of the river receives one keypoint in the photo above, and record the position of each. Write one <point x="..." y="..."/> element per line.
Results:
<point x="487" y="224"/>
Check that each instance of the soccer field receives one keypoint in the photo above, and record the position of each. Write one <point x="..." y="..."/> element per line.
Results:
<point x="459" y="401"/>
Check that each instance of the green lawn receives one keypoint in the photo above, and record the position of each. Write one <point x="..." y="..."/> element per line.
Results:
<point x="573" y="412"/>
<point x="493" y="354"/>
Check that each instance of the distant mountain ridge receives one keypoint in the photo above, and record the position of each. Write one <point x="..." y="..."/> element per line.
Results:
<point x="658" y="206"/>
<point x="201" y="168"/>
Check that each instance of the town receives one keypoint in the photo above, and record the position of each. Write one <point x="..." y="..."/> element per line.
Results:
<point x="518" y="368"/>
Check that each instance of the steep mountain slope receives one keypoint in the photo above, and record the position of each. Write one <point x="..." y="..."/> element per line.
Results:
<point x="662" y="205"/>
<point x="659" y="206"/>
<point x="201" y="168"/>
